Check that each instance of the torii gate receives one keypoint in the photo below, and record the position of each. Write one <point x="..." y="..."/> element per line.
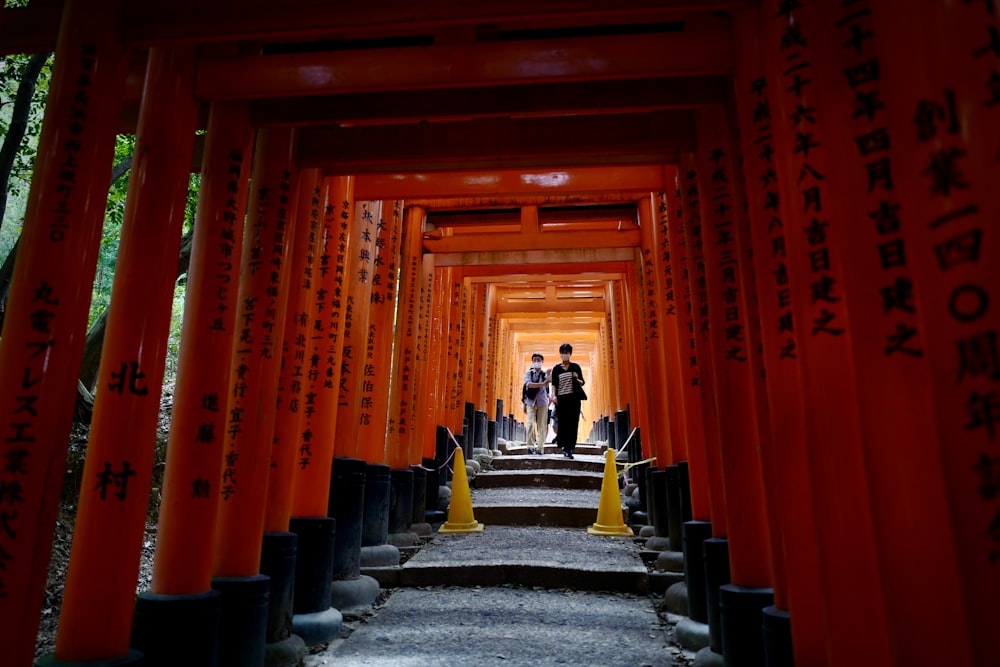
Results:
<point x="811" y="183"/>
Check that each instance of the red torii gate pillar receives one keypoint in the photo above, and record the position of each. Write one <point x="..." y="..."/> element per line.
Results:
<point x="942" y="88"/>
<point x="99" y="598"/>
<point x="252" y="398"/>
<point x="181" y="593"/>
<point x="798" y="592"/>
<point x="58" y="254"/>
<point x="716" y="548"/>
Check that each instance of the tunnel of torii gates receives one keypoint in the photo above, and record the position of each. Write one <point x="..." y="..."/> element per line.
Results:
<point x="766" y="228"/>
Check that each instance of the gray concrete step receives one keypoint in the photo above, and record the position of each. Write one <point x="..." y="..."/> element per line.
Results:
<point x="545" y="557"/>
<point x="505" y="627"/>
<point x="593" y="463"/>
<point x="520" y="449"/>
<point x="553" y="479"/>
<point x="575" y="508"/>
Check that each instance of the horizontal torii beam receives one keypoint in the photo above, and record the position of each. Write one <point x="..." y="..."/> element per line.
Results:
<point x="382" y="107"/>
<point x="656" y="137"/>
<point x="694" y="53"/>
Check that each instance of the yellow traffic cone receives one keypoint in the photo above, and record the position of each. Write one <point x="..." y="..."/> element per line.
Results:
<point x="609" y="511"/>
<point x="460" y="518"/>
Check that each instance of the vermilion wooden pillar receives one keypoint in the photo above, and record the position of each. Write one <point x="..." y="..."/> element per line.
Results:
<point x="798" y="591"/>
<point x="621" y="380"/>
<point x="848" y="563"/>
<point x="381" y="333"/>
<point x="293" y="378"/>
<point x="489" y="351"/>
<point x="913" y="531"/>
<point x="664" y="264"/>
<point x="694" y="241"/>
<point x="250" y="411"/>
<point x="188" y="511"/>
<point x="46" y="321"/>
<point x="939" y="78"/>
<point x="311" y="488"/>
<point x="96" y="616"/>
<point x="426" y="367"/>
<point x="631" y="330"/>
<point x="477" y="357"/>
<point x="687" y="352"/>
<point x="730" y="320"/>
<point x="657" y="382"/>
<point x="358" y="274"/>
<point x="406" y="348"/>
<point x="436" y="406"/>
<point x="453" y="381"/>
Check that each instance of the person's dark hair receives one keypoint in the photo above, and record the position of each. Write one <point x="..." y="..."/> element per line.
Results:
<point x="540" y="357"/>
<point x="565" y="347"/>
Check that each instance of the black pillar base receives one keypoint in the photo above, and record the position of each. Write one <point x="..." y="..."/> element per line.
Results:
<point x="778" y="638"/>
<point x="243" y="630"/>
<point x="314" y="620"/>
<point x="695" y="534"/>
<point x="171" y="630"/>
<point x="400" y="501"/>
<point x="674" y="522"/>
<point x="376" y="515"/>
<point x="277" y="561"/>
<point x="716" y="575"/>
<point x="347" y="505"/>
<point x="742" y="625"/>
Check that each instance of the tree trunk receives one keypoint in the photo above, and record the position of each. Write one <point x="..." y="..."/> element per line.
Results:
<point x="95" y="342"/>
<point x="18" y="123"/>
<point x="7" y="269"/>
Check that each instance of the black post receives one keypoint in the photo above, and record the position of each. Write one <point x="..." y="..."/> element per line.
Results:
<point x="674" y="508"/>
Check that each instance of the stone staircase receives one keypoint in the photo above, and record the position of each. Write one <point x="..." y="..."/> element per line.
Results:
<point x="535" y="508"/>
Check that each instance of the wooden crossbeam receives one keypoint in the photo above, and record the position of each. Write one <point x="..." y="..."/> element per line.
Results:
<point x="382" y="107"/>
<point x="707" y="52"/>
<point x="499" y="142"/>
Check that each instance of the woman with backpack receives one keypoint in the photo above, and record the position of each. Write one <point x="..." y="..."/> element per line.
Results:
<point x="535" y="395"/>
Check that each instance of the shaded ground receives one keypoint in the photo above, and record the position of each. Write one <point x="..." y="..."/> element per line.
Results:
<point x="506" y="626"/>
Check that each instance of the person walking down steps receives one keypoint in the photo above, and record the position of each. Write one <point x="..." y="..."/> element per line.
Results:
<point x="567" y="388"/>
<point x="536" y="404"/>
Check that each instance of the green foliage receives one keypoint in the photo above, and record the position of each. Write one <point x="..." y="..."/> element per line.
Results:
<point x="111" y="239"/>
<point x="11" y="69"/>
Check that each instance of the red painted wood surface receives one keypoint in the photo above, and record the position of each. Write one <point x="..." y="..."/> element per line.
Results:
<point x="798" y="591"/>
<point x="189" y="509"/>
<point x="290" y="441"/>
<point x="311" y="489"/>
<point x="99" y="596"/>
<point x="40" y="354"/>
<point x="940" y="81"/>
<point x="250" y="411"/>
<point x="729" y="319"/>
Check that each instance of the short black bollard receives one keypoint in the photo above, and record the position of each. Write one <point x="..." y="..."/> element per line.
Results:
<point x="177" y="629"/>
<point x="658" y="502"/>
<point x="674" y="522"/>
<point x="685" y="491"/>
<point x="376" y="516"/>
<point x="778" y="650"/>
<point x="347" y="494"/>
<point x="277" y="561"/>
<point x="742" y="624"/>
<point x="716" y="576"/>
<point x="695" y="534"/>
<point x="314" y="620"/>
<point x="400" y="501"/>
<point x="479" y="432"/>
<point x="243" y="628"/>
<point x="419" y="504"/>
